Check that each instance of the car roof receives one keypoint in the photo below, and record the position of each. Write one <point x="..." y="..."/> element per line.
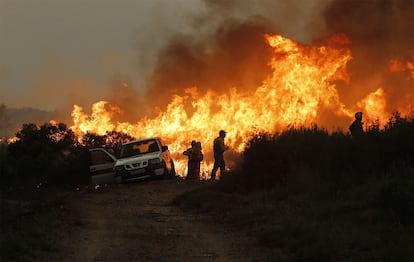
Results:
<point x="134" y="141"/>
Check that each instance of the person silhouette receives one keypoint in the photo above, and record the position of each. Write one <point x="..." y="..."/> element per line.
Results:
<point x="189" y="152"/>
<point x="356" y="128"/>
<point x="219" y="148"/>
<point x="195" y="159"/>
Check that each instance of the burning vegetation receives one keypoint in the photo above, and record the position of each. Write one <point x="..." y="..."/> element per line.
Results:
<point x="301" y="89"/>
<point x="249" y="72"/>
<point x="312" y="189"/>
<point x="245" y="78"/>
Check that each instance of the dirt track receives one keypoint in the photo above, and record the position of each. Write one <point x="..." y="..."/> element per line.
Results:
<point x="136" y="222"/>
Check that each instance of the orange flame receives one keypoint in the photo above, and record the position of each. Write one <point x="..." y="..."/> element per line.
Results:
<point x="374" y="105"/>
<point x="300" y="87"/>
<point x="399" y="65"/>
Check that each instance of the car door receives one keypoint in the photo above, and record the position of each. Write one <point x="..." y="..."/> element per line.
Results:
<point x="101" y="166"/>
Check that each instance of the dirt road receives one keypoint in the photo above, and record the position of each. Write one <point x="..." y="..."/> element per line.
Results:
<point x="136" y="222"/>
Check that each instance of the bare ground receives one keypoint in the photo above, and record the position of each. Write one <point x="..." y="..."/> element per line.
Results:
<point x="137" y="222"/>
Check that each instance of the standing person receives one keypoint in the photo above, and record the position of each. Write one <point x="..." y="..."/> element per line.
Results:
<point x="219" y="148"/>
<point x="356" y="126"/>
<point x="195" y="159"/>
<point x="190" y="164"/>
<point x="168" y="160"/>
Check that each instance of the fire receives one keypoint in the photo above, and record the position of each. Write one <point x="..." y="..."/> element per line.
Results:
<point x="402" y="65"/>
<point x="300" y="87"/>
<point x="375" y="105"/>
<point x="100" y="120"/>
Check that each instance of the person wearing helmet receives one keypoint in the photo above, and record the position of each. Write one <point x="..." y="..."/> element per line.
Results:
<point x="356" y="126"/>
<point x="219" y="148"/>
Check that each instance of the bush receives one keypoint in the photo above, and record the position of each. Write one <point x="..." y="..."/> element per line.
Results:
<point x="315" y="155"/>
<point x="51" y="154"/>
<point x="396" y="198"/>
<point x="316" y="196"/>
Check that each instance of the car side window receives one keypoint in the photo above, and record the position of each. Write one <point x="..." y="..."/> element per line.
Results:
<point x="99" y="157"/>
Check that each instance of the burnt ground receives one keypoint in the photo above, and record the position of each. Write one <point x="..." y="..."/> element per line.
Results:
<point x="137" y="222"/>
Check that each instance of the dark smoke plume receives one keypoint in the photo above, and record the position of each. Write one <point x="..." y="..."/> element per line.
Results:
<point x="227" y="48"/>
<point x="224" y="48"/>
<point x="226" y="63"/>
<point x="380" y="30"/>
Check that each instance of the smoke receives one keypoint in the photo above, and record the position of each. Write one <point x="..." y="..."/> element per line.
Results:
<point x="178" y="44"/>
<point x="123" y="94"/>
<point x="217" y="45"/>
<point x="4" y="122"/>
<point x="227" y="62"/>
<point x="62" y="84"/>
<point x="226" y="47"/>
<point x="290" y="18"/>
<point x="380" y="30"/>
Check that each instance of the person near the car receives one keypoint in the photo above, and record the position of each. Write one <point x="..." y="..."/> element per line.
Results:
<point x="195" y="160"/>
<point x="219" y="148"/>
<point x="190" y="164"/>
<point x="166" y="156"/>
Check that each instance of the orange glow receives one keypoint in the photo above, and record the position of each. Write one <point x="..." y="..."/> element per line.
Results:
<point x="98" y="122"/>
<point x="374" y="105"/>
<point x="402" y="65"/>
<point x="300" y="87"/>
<point x="395" y="65"/>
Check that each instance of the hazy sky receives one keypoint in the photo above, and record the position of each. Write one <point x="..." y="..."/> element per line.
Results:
<point x="57" y="52"/>
<point x="79" y="44"/>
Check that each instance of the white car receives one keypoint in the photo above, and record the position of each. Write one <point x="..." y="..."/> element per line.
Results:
<point x="101" y="166"/>
<point x="138" y="159"/>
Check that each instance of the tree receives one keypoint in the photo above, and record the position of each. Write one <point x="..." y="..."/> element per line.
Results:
<point x="39" y="154"/>
<point x="112" y="139"/>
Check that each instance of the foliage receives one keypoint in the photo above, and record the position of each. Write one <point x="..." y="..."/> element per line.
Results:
<point x="396" y="199"/>
<point x="51" y="154"/>
<point x="271" y="160"/>
<point x="317" y="196"/>
<point x="39" y="154"/>
<point x="112" y="139"/>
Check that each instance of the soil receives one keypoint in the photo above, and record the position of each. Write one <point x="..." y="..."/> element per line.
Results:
<point x="137" y="222"/>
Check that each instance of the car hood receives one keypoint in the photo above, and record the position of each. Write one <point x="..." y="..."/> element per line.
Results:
<point x="134" y="159"/>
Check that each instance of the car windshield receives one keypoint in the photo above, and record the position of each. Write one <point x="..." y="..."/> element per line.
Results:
<point x="139" y="148"/>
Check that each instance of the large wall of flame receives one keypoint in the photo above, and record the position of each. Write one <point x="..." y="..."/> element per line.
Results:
<point x="223" y="47"/>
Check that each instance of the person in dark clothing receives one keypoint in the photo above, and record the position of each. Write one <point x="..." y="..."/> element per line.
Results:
<point x="189" y="153"/>
<point x="219" y="148"/>
<point x="195" y="159"/>
<point x="168" y="160"/>
<point x="356" y="126"/>
<point x="195" y="156"/>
